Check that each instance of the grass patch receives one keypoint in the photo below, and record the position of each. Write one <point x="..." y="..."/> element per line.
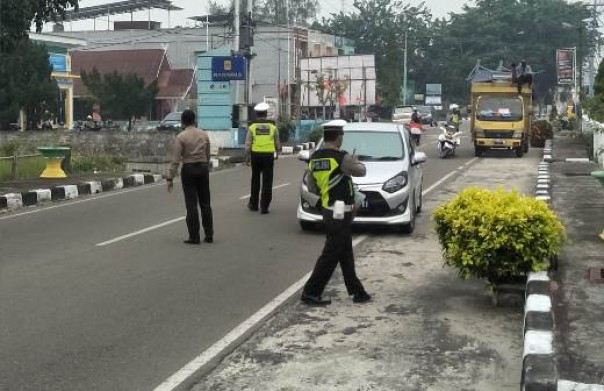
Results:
<point x="27" y="168"/>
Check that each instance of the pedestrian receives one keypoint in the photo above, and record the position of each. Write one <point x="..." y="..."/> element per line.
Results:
<point x="524" y="73"/>
<point x="192" y="148"/>
<point x="261" y="148"/>
<point x="330" y="171"/>
<point x="514" y="70"/>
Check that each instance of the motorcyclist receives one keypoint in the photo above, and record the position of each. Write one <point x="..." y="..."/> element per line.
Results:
<point x="455" y="117"/>
<point x="415" y="116"/>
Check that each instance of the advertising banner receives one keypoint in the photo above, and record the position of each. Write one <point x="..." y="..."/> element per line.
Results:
<point x="565" y="69"/>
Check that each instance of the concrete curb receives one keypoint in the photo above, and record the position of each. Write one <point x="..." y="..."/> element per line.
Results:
<point x="35" y="197"/>
<point x="538" y="360"/>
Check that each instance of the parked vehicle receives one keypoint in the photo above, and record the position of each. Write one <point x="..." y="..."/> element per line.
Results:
<point x="392" y="186"/>
<point x="402" y="114"/>
<point x="170" y="122"/>
<point x="448" y="141"/>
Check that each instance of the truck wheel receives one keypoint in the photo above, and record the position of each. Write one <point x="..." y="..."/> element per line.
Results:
<point x="520" y="151"/>
<point x="478" y="151"/>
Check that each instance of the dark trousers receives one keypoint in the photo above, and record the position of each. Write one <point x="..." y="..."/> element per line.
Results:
<point x="196" y="187"/>
<point x="524" y="79"/>
<point x="262" y="164"/>
<point x="337" y="249"/>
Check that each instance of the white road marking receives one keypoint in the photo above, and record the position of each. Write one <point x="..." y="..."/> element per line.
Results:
<point x="449" y="175"/>
<point x="218" y="349"/>
<point x="565" y="385"/>
<point x="245" y="197"/>
<point x="139" y="232"/>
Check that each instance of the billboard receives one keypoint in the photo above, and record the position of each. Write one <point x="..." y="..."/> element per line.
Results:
<point x="434" y="89"/>
<point x="228" y="68"/>
<point x="58" y="62"/>
<point x="565" y="66"/>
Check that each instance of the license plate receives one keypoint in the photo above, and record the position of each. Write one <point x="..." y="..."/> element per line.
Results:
<point x="499" y="141"/>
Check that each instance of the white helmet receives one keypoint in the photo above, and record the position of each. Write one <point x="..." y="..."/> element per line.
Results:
<point x="261" y="107"/>
<point x="336" y="123"/>
<point x="453" y="106"/>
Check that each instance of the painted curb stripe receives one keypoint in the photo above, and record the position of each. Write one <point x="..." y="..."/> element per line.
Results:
<point x="538" y="303"/>
<point x="538" y="342"/>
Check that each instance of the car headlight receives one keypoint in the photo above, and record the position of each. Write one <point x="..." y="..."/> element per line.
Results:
<point x="397" y="183"/>
<point x="518" y="134"/>
<point x="478" y="132"/>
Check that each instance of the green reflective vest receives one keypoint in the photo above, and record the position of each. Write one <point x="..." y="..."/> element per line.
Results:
<point x="334" y="185"/>
<point x="263" y="136"/>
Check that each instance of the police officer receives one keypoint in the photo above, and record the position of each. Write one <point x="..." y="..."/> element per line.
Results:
<point x="261" y="146"/>
<point x="330" y="172"/>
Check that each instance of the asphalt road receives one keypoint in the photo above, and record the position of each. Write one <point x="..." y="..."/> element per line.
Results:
<point x="127" y="315"/>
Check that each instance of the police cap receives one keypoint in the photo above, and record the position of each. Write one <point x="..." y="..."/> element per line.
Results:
<point x="336" y="125"/>
<point x="261" y="107"/>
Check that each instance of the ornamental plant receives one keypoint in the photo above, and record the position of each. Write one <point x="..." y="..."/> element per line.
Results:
<point x="497" y="235"/>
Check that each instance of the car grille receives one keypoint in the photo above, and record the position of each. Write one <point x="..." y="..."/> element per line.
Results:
<point x="376" y="205"/>
<point x="499" y="134"/>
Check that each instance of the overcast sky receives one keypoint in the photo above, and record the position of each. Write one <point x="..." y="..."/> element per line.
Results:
<point x="199" y="7"/>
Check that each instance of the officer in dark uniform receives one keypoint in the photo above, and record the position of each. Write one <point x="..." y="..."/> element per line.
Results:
<point x="261" y="147"/>
<point x="330" y="172"/>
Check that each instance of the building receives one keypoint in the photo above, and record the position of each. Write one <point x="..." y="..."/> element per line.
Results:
<point x="59" y="56"/>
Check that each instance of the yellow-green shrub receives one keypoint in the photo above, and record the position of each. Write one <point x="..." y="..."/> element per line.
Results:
<point x="497" y="235"/>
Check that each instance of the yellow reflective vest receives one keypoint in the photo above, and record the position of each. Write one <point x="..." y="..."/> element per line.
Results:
<point x="263" y="136"/>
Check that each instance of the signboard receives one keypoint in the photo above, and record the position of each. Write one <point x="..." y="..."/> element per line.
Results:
<point x="58" y="62"/>
<point x="434" y="100"/>
<point x="565" y="66"/>
<point x="434" y="89"/>
<point x="273" y="104"/>
<point x="228" y="68"/>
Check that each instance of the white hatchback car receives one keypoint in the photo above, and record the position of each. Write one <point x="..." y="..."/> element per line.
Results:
<point x="393" y="183"/>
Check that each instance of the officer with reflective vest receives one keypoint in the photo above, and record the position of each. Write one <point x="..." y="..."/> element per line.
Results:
<point x="261" y="147"/>
<point x="330" y="170"/>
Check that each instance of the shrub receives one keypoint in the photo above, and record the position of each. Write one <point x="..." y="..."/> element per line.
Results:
<point x="540" y="131"/>
<point x="497" y="235"/>
<point x="10" y="147"/>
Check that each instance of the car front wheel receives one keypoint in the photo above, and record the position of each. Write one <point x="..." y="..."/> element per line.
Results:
<point x="408" y="228"/>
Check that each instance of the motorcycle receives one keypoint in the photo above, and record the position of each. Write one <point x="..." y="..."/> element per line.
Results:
<point x="415" y="130"/>
<point x="448" y="141"/>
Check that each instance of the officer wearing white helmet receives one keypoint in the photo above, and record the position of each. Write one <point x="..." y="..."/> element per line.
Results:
<point x="261" y="146"/>
<point x="330" y="170"/>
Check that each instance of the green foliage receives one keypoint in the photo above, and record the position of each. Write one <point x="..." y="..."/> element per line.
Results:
<point x="497" y="235"/>
<point x="9" y="148"/>
<point x="445" y="50"/>
<point x="25" y="82"/>
<point x="27" y="168"/>
<point x="540" y="131"/>
<point x="102" y="163"/>
<point x="595" y="105"/>
<point x="17" y="17"/>
<point x="275" y="11"/>
<point x="122" y="97"/>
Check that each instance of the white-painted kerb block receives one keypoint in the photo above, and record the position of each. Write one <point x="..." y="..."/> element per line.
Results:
<point x="119" y="184"/>
<point x="14" y="200"/>
<point x="157" y="178"/>
<point x="287" y="150"/>
<point x="71" y="192"/>
<point x="538" y="276"/>
<point x="95" y="187"/>
<point x="43" y="194"/>
<point x="139" y="179"/>
<point x="538" y="342"/>
<point x="538" y="303"/>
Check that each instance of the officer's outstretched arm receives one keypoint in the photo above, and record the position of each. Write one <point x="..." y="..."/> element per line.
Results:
<point x="353" y="167"/>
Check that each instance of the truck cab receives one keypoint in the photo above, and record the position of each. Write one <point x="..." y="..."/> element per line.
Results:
<point x="500" y="117"/>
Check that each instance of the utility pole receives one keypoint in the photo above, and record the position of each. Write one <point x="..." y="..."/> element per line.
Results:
<point x="288" y="107"/>
<point x="405" y="64"/>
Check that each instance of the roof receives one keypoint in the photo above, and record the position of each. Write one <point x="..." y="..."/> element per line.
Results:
<point x="120" y="7"/>
<point x="385" y="127"/>
<point x="150" y="64"/>
<point x="146" y="63"/>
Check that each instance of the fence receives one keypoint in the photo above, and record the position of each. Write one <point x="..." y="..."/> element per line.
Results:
<point x="21" y="167"/>
<point x="596" y="130"/>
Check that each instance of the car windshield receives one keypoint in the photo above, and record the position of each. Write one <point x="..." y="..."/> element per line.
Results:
<point x="424" y="110"/>
<point x="403" y="110"/>
<point x="491" y="108"/>
<point x="374" y="146"/>
<point x="173" y="117"/>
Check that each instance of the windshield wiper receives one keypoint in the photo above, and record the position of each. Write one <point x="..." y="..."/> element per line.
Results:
<point x="364" y="157"/>
<point x="389" y="158"/>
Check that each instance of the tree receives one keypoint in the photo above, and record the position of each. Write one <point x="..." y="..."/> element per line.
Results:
<point x="17" y="16"/>
<point x="215" y="8"/>
<point x="122" y="96"/>
<point x="277" y="12"/>
<point x="26" y="83"/>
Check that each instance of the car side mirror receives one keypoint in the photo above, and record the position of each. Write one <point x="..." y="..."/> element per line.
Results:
<point x="304" y="155"/>
<point x="419" y="157"/>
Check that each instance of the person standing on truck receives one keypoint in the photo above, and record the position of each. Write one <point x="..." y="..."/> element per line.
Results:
<point x="524" y="73"/>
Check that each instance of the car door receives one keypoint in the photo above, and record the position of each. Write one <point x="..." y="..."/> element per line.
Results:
<point x="415" y="170"/>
